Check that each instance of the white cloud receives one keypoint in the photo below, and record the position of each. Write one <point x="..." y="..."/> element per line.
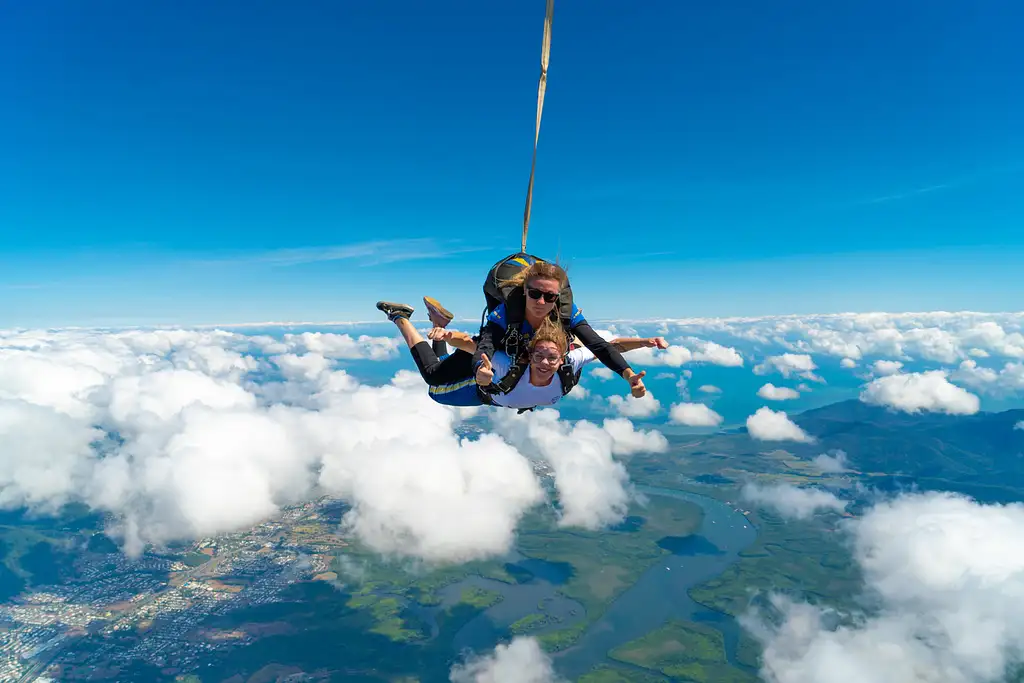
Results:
<point x="204" y="446"/>
<point x="579" y="393"/>
<point x="677" y="355"/>
<point x="831" y="464"/>
<point x="674" y="356"/>
<point x="592" y="486"/>
<point x="847" y="363"/>
<point x="773" y="393"/>
<point x="629" y="406"/>
<point x="789" y="364"/>
<point x="694" y="415"/>
<point x="139" y="402"/>
<point x="939" y="336"/>
<point x="308" y="366"/>
<point x="618" y="330"/>
<point x="991" y="335"/>
<point x="60" y="382"/>
<point x="413" y="482"/>
<point x="933" y="344"/>
<point x="769" y="425"/>
<point x="1007" y="381"/>
<point x="627" y="439"/>
<point x="46" y="456"/>
<point x="344" y="346"/>
<point x="211" y="359"/>
<point x="886" y="367"/>
<point x="946" y="578"/>
<point x="918" y="391"/>
<point x="214" y="469"/>
<point x="683" y="387"/>
<point x="791" y="501"/>
<point x="602" y="373"/>
<point x="1019" y="425"/>
<point x="716" y="354"/>
<point x="709" y="389"/>
<point x="443" y="500"/>
<point x="976" y="376"/>
<point x="521" y="661"/>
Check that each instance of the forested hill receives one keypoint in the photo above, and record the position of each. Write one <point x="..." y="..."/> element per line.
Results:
<point x="981" y="454"/>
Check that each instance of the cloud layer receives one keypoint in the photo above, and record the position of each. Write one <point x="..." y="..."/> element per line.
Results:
<point x="593" y="489"/>
<point x="179" y="434"/>
<point x="936" y="336"/>
<point x="945" y="576"/>
<point x="983" y="353"/>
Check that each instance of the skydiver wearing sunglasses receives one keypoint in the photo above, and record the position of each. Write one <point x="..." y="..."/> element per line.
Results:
<point x="549" y="368"/>
<point x="541" y="284"/>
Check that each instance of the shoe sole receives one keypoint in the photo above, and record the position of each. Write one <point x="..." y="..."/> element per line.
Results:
<point x="433" y="305"/>
<point x="384" y="305"/>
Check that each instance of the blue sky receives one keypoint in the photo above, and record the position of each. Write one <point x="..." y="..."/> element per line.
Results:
<point x="225" y="162"/>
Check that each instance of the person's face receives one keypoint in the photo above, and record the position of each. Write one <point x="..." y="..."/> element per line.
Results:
<point x="541" y="296"/>
<point x="545" y="360"/>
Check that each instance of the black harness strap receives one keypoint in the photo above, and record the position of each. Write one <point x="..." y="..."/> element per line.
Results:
<point x="514" y="341"/>
<point x="512" y="377"/>
<point x="515" y="314"/>
<point x="566" y="375"/>
<point x="569" y="377"/>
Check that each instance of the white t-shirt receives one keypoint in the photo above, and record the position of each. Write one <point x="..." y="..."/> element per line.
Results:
<point x="526" y="395"/>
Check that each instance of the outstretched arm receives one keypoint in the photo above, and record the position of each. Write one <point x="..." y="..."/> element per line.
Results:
<point x="625" y="344"/>
<point x="601" y="348"/>
<point x="610" y="356"/>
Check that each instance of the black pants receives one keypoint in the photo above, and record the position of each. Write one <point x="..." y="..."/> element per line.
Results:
<point x="458" y="366"/>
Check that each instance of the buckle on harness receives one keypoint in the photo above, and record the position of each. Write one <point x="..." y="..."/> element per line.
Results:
<point x="512" y="339"/>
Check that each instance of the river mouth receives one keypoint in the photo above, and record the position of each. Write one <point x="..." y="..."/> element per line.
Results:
<point x="661" y="593"/>
<point x="536" y="592"/>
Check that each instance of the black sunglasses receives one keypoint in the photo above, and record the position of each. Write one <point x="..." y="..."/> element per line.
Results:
<point x="549" y="298"/>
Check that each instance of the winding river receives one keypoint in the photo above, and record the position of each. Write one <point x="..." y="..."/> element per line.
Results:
<point x="661" y="592"/>
<point x="659" y="595"/>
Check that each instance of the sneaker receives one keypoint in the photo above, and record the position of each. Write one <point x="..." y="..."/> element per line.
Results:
<point x="395" y="311"/>
<point x="438" y="314"/>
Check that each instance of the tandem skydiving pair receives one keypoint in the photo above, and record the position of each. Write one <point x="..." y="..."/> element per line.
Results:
<point x="532" y="346"/>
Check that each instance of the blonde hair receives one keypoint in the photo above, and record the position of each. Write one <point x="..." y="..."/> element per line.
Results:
<point x="550" y="331"/>
<point x="540" y="270"/>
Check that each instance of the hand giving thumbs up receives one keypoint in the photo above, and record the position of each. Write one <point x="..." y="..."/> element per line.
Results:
<point x="485" y="373"/>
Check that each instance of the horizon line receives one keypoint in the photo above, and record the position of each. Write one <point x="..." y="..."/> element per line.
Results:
<point x="642" y="321"/>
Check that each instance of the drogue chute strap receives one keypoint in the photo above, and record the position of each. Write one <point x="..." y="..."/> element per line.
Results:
<point x="545" y="52"/>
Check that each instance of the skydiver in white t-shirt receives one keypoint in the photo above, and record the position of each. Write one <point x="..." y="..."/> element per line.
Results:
<point x="543" y="375"/>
